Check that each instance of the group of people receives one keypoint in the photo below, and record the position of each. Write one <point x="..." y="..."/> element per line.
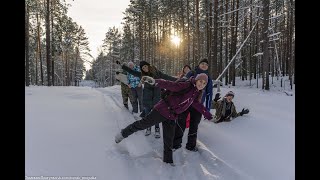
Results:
<point x="190" y="94"/>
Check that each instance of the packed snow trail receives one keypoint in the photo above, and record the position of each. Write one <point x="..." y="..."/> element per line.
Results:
<point x="146" y="152"/>
<point x="69" y="131"/>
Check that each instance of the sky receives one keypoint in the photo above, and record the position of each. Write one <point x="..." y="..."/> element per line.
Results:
<point x="69" y="131"/>
<point x="96" y="17"/>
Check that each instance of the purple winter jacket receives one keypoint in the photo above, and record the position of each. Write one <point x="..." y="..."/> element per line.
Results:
<point x="182" y="102"/>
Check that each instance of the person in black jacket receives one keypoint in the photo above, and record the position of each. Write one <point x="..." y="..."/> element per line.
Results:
<point x="150" y="93"/>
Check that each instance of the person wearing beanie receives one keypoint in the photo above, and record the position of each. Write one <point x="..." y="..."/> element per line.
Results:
<point x="195" y="116"/>
<point x="204" y="60"/>
<point x="202" y="76"/>
<point x="150" y="94"/>
<point x="143" y="63"/>
<point x="167" y="111"/>
<point x="225" y="108"/>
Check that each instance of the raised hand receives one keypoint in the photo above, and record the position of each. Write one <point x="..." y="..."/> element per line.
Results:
<point x="244" y="111"/>
<point x="217" y="97"/>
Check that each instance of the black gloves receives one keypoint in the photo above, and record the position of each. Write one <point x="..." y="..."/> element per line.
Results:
<point x="244" y="111"/>
<point x="118" y="62"/>
<point x="217" y="97"/>
<point x="117" y="72"/>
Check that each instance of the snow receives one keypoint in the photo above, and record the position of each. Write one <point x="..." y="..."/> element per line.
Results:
<point x="274" y="34"/>
<point x="69" y="131"/>
<point x="258" y="54"/>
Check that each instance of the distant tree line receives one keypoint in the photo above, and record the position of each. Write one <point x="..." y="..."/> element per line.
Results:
<point x="209" y="29"/>
<point x="56" y="47"/>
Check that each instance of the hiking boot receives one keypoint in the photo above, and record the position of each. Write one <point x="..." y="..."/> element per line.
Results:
<point x="157" y="133"/>
<point x="194" y="149"/>
<point x="148" y="131"/>
<point x="176" y="147"/>
<point x="119" y="137"/>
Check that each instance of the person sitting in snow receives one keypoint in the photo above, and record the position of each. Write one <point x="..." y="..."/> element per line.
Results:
<point x="225" y="108"/>
<point x="167" y="111"/>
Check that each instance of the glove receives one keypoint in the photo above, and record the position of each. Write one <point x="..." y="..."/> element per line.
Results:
<point x="117" y="72"/>
<point x="207" y="115"/>
<point x="217" y="97"/>
<point x="244" y="111"/>
<point x="148" y="80"/>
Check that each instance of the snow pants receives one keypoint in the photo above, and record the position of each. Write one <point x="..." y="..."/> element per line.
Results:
<point x="136" y="96"/>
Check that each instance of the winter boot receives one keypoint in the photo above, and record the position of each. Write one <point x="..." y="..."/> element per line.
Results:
<point x="148" y="131"/>
<point x="119" y="137"/>
<point x="176" y="147"/>
<point x="157" y="133"/>
<point x="194" y="149"/>
<point x="172" y="164"/>
<point x="126" y="106"/>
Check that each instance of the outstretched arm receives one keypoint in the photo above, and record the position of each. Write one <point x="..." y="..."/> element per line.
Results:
<point x="135" y="73"/>
<point x="166" y="77"/>
<point x="171" y="85"/>
<point x="201" y="109"/>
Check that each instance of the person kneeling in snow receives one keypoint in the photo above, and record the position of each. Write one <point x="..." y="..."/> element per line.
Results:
<point x="168" y="111"/>
<point x="225" y="109"/>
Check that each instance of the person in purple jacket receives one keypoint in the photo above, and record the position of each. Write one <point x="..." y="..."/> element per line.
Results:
<point x="168" y="111"/>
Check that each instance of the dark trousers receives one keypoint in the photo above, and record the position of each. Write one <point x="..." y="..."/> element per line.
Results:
<point x="154" y="117"/>
<point x="136" y="96"/>
<point x="147" y="110"/>
<point x="195" y="118"/>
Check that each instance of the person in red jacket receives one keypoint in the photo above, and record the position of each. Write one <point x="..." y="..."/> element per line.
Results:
<point x="167" y="111"/>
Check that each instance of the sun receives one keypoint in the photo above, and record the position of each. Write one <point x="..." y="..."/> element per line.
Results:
<point x="175" y="40"/>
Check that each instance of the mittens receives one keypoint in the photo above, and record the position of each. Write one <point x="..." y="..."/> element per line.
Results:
<point x="148" y="80"/>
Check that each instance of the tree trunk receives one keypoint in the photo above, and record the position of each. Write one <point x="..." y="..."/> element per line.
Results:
<point x="39" y="49"/>
<point x="227" y="44"/>
<point x="215" y="40"/>
<point x="208" y="28"/>
<point x="265" y="72"/>
<point x="290" y="42"/>
<point x="244" y="52"/>
<point x="250" y="47"/>
<point x="221" y="43"/>
<point x="235" y="45"/>
<point x="197" y="32"/>
<point x="48" y="42"/>
<point x="75" y="66"/>
<point x="188" y="33"/>
<point x="255" y="62"/>
<point x="141" y="37"/>
<point x="53" y="45"/>
<point x="27" y="77"/>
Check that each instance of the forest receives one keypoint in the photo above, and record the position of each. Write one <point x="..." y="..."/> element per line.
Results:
<point x="249" y="39"/>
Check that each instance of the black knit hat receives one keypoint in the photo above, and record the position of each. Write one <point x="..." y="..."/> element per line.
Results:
<point x="204" y="60"/>
<point x="142" y="63"/>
